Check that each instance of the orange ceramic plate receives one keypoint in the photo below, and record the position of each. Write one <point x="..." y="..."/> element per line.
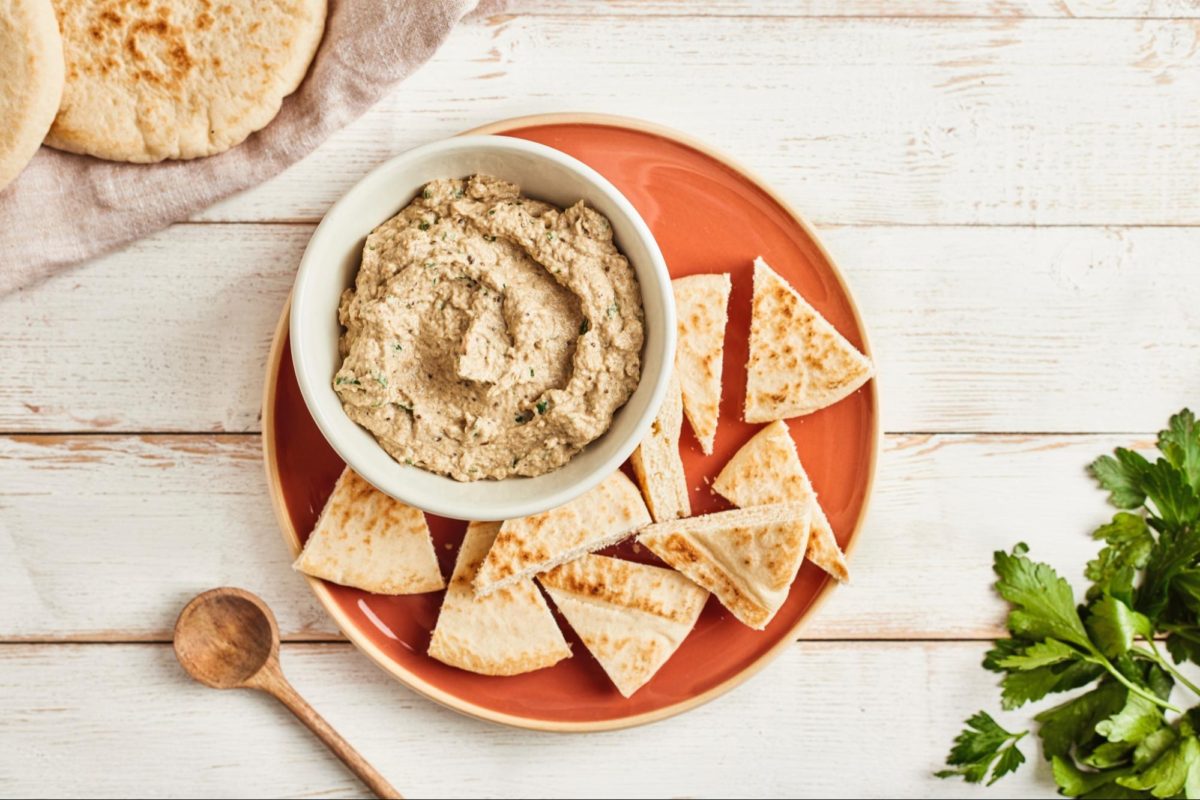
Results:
<point x="708" y="215"/>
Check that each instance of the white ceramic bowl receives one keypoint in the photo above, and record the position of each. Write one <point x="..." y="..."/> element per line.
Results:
<point x="331" y="262"/>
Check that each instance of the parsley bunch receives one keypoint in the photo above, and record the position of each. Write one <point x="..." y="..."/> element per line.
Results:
<point x="1120" y="735"/>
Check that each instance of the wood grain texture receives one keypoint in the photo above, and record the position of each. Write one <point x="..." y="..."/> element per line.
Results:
<point x="106" y="537"/>
<point x="856" y="120"/>
<point x="867" y="720"/>
<point x="975" y="329"/>
<point x="891" y="9"/>
<point x="1010" y="187"/>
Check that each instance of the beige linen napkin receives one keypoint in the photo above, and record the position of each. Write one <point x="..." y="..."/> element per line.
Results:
<point x="65" y="208"/>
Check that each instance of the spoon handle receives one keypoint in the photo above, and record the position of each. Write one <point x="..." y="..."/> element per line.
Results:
<point x="271" y="681"/>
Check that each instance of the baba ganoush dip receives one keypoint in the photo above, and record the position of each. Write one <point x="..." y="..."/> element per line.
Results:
<point x="488" y="334"/>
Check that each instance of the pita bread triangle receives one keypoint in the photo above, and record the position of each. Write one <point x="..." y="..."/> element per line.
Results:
<point x="701" y="303"/>
<point x="747" y="557"/>
<point x="798" y="363"/>
<point x="632" y="617"/>
<point x="509" y="632"/>
<point x="367" y="540"/>
<point x="768" y="470"/>
<point x="529" y="545"/>
<point x="657" y="464"/>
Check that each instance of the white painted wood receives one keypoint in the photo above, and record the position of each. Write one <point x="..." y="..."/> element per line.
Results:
<point x="892" y="9"/>
<point x="856" y="120"/>
<point x="976" y="329"/>
<point x="106" y="537"/>
<point x="825" y="720"/>
<point x="1008" y="185"/>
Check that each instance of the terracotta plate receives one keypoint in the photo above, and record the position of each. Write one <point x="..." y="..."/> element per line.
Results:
<point x="709" y="215"/>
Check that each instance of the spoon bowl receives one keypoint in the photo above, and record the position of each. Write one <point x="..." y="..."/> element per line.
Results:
<point x="225" y="637"/>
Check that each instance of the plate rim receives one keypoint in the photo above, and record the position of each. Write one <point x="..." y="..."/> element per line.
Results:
<point x="452" y="701"/>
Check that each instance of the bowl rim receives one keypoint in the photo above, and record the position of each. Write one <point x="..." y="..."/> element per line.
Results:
<point x="393" y="481"/>
<point x="467" y="708"/>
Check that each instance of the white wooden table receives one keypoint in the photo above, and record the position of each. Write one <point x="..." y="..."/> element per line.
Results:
<point x="1014" y="191"/>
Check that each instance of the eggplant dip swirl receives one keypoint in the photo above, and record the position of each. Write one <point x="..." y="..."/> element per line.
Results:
<point x="488" y="334"/>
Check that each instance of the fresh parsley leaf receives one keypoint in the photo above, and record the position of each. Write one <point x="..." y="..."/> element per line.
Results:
<point x="1134" y="722"/>
<point x="1113" y="626"/>
<point x="1157" y="680"/>
<point x="1176" y="770"/>
<point x="1108" y="754"/>
<point x="1044" y="604"/>
<point x="1129" y="542"/>
<point x="1121" y="476"/>
<point x="1183" y="643"/>
<point x="982" y="746"/>
<point x="1153" y="746"/>
<point x="1074" y="782"/>
<point x="1010" y="759"/>
<point x="1180" y="444"/>
<point x="1001" y="649"/>
<point x="1074" y="722"/>
<point x="1176" y="502"/>
<point x="1175" y="552"/>
<point x="1018" y="688"/>
<point x="1040" y="654"/>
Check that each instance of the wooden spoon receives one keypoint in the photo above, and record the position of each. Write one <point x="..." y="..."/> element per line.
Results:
<point x="227" y="638"/>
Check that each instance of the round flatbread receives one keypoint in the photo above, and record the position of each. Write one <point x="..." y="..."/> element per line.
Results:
<point x="147" y="81"/>
<point x="31" y="80"/>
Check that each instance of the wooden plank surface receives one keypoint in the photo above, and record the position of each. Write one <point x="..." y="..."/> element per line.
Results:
<point x="106" y="537"/>
<point x="857" y="120"/>
<point x="853" y="720"/>
<point x="975" y="329"/>
<point x="1010" y="186"/>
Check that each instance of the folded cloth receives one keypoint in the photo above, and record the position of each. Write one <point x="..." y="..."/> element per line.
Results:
<point x="66" y="208"/>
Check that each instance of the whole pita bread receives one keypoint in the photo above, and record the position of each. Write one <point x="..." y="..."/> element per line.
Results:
<point x="657" y="464"/>
<point x="367" y="540"/>
<point x="632" y="617"/>
<point x="768" y="470"/>
<point x="31" y="80"/>
<point x="509" y="632"/>
<point x="747" y="557"/>
<point x="530" y="545"/>
<point x="178" y="78"/>
<point x="701" y="302"/>
<point x="799" y="363"/>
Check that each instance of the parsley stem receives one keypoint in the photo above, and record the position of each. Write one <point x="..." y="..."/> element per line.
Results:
<point x="1156" y="656"/>
<point x="1133" y="687"/>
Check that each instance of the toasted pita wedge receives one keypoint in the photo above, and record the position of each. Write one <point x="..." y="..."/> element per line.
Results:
<point x="509" y="632"/>
<point x="657" y="464"/>
<point x="702" y="304"/>
<point x="747" y="557"/>
<point x="798" y="362"/>
<point x="632" y="617"/>
<point x="768" y="470"/>
<point x="529" y="545"/>
<point x="367" y="540"/>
